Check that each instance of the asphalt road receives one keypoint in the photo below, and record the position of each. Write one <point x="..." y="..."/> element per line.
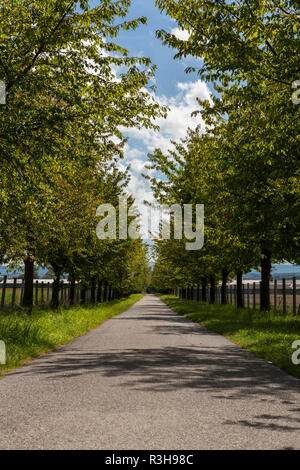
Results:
<point x="149" y="379"/>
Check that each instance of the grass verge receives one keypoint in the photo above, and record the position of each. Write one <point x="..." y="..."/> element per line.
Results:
<point x="269" y="335"/>
<point x="29" y="335"/>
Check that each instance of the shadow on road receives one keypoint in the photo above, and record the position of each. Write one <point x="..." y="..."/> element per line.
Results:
<point x="225" y="372"/>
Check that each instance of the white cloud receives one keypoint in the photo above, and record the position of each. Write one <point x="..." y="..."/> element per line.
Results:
<point x="179" y="118"/>
<point x="174" y="127"/>
<point x="182" y="34"/>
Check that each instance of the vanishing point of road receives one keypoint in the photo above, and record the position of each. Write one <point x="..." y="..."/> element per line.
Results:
<point x="149" y="379"/>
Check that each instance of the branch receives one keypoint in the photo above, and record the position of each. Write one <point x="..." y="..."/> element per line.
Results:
<point x="41" y="48"/>
<point x="267" y="42"/>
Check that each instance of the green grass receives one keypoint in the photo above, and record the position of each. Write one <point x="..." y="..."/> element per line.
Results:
<point x="29" y="335"/>
<point x="269" y="335"/>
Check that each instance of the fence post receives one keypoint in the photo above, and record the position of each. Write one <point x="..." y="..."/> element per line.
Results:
<point x="52" y="289"/>
<point x="3" y="291"/>
<point x="243" y="294"/>
<point x="36" y="293"/>
<point x="48" y="291"/>
<point x="259" y="293"/>
<point x="254" y="300"/>
<point x="22" y="292"/>
<point x="61" y="292"/>
<point x="284" y="295"/>
<point x="248" y="295"/>
<point x="294" y="297"/>
<point x="42" y="293"/>
<point x="13" y="299"/>
<point x="275" y="294"/>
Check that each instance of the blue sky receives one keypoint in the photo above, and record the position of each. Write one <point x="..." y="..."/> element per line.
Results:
<point x="144" y="42"/>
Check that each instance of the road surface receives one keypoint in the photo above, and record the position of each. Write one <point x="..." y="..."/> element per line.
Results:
<point x="149" y="379"/>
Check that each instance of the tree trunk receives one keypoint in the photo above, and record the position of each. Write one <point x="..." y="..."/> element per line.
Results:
<point x="204" y="291"/>
<point x="105" y="293"/>
<point x="55" y="288"/>
<point x="28" y="282"/>
<point x="239" y="289"/>
<point x="93" y="292"/>
<point x="225" y="274"/>
<point x="72" y="292"/>
<point x="198" y="293"/>
<point x="265" y="280"/>
<point x="212" y="280"/>
<point x="83" y="294"/>
<point x="99" y="293"/>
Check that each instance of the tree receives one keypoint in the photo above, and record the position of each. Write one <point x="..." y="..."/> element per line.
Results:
<point x="251" y="49"/>
<point x="65" y="107"/>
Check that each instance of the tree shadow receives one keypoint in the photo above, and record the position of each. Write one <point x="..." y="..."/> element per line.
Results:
<point x="268" y="421"/>
<point x="234" y="372"/>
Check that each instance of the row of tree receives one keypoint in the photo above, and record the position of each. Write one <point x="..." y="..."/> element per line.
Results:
<point x="244" y="164"/>
<point x="69" y="89"/>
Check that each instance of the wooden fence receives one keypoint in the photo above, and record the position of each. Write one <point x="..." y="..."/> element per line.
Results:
<point x="12" y="291"/>
<point x="284" y="295"/>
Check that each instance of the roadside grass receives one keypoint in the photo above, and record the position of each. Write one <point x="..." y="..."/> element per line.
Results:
<point x="28" y="335"/>
<point x="269" y="335"/>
